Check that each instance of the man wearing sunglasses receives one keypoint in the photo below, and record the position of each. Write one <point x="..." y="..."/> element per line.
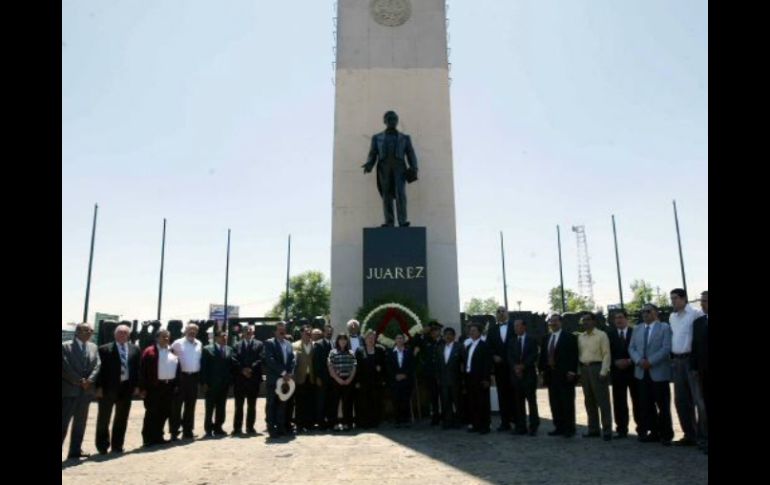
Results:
<point x="650" y="350"/>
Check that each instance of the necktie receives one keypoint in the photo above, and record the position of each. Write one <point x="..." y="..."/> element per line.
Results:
<point x="646" y="337"/>
<point x="521" y="347"/>
<point x="123" y="362"/>
<point x="552" y="352"/>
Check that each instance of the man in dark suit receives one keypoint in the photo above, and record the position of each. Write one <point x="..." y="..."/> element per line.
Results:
<point x="248" y="377"/>
<point x="325" y="412"/>
<point x="218" y="365"/>
<point x="558" y="363"/>
<point x="478" y="377"/>
<point x="499" y="337"/>
<point x="622" y="374"/>
<point x="400" y="362"/>
<point x="278" y="359"/>
<point x="427" y="367"/>
<point x="115" y="387"/>
<point x="699" y="357"/>
<point x="449" y="359"/>
<point x="523" y="355"/>
<point x="80" y="366"/>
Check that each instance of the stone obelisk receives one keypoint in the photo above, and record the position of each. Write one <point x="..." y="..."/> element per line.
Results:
<point x="392" y="55"/>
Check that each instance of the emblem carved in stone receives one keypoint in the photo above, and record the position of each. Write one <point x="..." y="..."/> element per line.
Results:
<point x="391" y="13"/>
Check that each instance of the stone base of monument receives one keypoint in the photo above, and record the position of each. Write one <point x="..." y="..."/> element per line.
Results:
<point x="395" y="263"/>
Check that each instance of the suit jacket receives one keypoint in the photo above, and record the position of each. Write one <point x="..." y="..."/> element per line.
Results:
<point x="406" y="367"/>
<point x="565" y="355"/>
<point x="304" y="360"/>
<point x="619" y="350"/>
<point x="321" y="350"/>
<point x="658" y="351"/>
<point x="481" y="362"/>
<point x="109" y="374"/>
<point x="148" y="369"/>
<point x="449" y="373"/>
<point x="496" y="344"/>
<point x="77" y="365"/>
<point x="274" y="361"/>
<point x="699" y="355"/>
<point x="427" y="363"/>
<point x="528" y="358"/>
<point x="404" y="150"/>
<point x="248" y="355"/>
<point x="366" y="367"/>
<point x="218" y="367"/>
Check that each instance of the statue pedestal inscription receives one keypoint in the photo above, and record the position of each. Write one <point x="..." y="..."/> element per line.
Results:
<point x="395" y="263"/>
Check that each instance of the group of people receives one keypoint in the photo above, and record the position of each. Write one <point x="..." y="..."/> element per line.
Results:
<point x="345" y="380"/>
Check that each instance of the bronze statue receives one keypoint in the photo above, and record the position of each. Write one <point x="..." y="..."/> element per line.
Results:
<point x="390" y="150"/>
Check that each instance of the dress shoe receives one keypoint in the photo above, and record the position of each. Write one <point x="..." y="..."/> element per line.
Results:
<point x="406" y="224"/>
<point x="102" y="452"/>
<point x="386" y="225"/>
<point x="591" y="435"/>
<point x="685" y="442"/>
<point x="219" y="432"/>
<point x="236" y="432"/>
<point x="569" y="434"/>
<point x="555" y="433"/>
<point x="189" y="436"/>
<point x="607" y="436"/>
<point x="117" y="451"/>
<point x="75" y="456"/>
<point x="503" y="427"/>
<point x="622" y="434"/>
<point x="520" y="431"/>
<point x="650" y="438"/>
<point x="533" y="432"/>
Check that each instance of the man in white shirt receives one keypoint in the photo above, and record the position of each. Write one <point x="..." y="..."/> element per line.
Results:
<point x="158" y="381"/>
<point x="687" y="393"/>
<point x="189" y="351"/>
<point x="478" y="375"/>
<point x="449" y="373"/>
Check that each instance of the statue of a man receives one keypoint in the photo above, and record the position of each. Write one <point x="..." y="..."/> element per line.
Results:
<point x="390" y="151"/>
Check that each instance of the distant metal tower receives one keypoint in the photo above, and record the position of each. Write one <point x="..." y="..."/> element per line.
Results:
<point x="585" y="282"/>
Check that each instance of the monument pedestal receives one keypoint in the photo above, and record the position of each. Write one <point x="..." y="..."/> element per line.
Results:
<point x="395" y="263"/>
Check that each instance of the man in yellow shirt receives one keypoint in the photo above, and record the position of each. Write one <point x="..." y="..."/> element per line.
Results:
<point x="594" y="356"/>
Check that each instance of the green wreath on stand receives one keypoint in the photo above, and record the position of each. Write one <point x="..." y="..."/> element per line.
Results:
<point x="391" y="315"/>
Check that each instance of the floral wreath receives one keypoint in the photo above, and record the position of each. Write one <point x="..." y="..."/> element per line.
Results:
<point x="390" y="318"/>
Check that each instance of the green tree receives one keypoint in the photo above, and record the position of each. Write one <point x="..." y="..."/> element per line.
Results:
<point x="644" y="293"/>
<point x="477" y="306"/>
<point x="575" y="302"/>
<point x="309" y="296"/>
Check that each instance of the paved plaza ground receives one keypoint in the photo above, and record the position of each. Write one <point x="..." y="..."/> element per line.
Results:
<point x="421" y="454"/>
